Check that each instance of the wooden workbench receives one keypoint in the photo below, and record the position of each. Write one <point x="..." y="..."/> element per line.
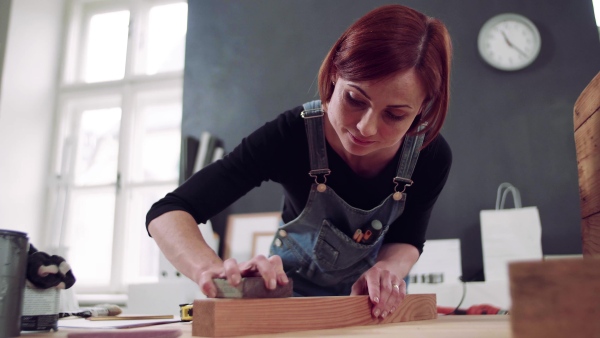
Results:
<point x="488" y="326"/>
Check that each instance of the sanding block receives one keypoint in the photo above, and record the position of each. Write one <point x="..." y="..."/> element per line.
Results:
<point x="251" y="287"/>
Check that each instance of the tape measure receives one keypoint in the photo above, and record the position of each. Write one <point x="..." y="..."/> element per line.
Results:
<point x="186" y="312"/>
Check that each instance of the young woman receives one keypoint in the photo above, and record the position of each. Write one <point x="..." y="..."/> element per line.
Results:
<point x="361" y="170"/>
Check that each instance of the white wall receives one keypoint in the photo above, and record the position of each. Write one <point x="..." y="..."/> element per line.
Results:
<point x="27" y="97"/>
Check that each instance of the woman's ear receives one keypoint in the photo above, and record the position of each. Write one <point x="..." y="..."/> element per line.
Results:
<point x="334" y="79"/>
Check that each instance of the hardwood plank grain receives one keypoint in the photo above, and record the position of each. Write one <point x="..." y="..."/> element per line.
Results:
<point x="238" y="317"/>
<point x="586" y="120"/>
<point x="587" y="144"/>
<point x="587" y="103"/>
<point x="590" y="233"/>
<point x="556" y="298"/>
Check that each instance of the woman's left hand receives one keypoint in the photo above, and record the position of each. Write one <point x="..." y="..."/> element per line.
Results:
<point x="386" y="290"/>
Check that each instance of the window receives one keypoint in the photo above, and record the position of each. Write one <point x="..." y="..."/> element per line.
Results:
<point x="118" y="137"/>
<point x="596" y="4"/>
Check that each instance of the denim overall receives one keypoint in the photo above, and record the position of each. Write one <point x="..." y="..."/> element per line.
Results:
<point x="321" y="259"/>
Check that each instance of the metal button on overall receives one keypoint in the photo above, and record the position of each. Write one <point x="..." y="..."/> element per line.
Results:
<point x="376" y="224"/>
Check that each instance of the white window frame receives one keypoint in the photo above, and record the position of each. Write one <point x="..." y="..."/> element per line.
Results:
<point x="74" y="92"/>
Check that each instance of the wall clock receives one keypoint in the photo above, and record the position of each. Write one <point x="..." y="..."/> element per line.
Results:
<point x="509" y="42"/>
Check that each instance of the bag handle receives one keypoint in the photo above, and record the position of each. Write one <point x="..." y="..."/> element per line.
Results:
<point x="509" y="188"/>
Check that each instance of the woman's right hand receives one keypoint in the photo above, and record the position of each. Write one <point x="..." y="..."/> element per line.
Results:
<point x="270" y="269"/>
<point x="178" y="237"/>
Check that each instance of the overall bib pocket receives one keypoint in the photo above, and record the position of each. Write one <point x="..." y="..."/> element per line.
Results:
<point x="334" y="251"/>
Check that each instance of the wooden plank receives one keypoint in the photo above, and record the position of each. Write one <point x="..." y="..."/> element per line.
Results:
<point x="590" y="233"/>
<point x="556" y="298"/>
<point x="587" y="143"/>
<point x="587" y="103"/>
<point x="237" y="317"/>
<point x="586" y="119"/>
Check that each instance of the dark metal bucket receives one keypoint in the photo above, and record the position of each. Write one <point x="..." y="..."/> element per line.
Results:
<point x="13" y="265"/>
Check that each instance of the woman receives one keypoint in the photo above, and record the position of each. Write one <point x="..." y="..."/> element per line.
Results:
<point x="356" y="223"/>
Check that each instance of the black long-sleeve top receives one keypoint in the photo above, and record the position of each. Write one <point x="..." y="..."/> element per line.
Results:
<point x="278" y="151"/>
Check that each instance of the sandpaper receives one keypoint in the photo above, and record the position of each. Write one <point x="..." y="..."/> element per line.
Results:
<point x="251" y="287"/>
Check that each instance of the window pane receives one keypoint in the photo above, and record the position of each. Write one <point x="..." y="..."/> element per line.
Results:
<point x="90" y="235"/>
<point x="596" y="4"/>
<point x="106" y="50"/>
<point x="141" y="262"/>
<point x="167" y="25"/>
<point x="98" y="147"/>
<point x="157" y="146"/>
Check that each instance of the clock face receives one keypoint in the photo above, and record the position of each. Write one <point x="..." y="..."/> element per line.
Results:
<point x="509" y="42"/>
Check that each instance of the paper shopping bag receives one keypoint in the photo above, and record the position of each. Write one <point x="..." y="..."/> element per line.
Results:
<point x="509" y="235"/>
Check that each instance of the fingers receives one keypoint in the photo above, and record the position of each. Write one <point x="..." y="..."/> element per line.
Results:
<point x="232" y="271"/>
<point x="398" y="295"/>
<point x="359" y="287"/>
<point x="268" y="273"/>
<point x="270" y="269"/>
<point x="374" y="288"/>
<point x="397" y="292"/>
<point x="277" y="264"/>
<point x="386" y="291"/>
<point x="378" y="291"/>
<point x="229" y="269"/>
<point x="205" y="281"/>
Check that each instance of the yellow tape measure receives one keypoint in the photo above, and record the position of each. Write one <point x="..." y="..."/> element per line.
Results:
<point x="186" y="312"/>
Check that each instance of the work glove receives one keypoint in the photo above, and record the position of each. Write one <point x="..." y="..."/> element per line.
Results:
<point x="45" y="271"/>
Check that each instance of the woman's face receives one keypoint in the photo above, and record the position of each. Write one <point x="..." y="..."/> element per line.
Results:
<point x="371" y="118"/>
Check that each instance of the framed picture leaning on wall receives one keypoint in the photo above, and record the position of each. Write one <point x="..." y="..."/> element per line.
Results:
<point x="247" y="234"/>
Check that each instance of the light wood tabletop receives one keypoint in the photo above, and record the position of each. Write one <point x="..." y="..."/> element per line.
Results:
<point x="488" y="326"/>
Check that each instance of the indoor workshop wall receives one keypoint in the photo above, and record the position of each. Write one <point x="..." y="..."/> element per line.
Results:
<point x="247" y="61"/>
<point x="4" y="16"/>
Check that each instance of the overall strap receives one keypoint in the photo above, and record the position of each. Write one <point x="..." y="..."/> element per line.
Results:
<point x="313" y="122"/>
<point x="408" y="159"/>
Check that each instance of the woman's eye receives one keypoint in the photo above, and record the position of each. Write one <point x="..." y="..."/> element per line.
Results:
<point x="354" y="102"/>
<point x="394" y="117"/>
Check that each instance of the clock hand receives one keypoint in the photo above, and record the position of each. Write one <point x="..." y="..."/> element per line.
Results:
<point x="513" y="46"/>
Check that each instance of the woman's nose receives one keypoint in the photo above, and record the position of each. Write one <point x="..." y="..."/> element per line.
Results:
<point x="367" y="126"/>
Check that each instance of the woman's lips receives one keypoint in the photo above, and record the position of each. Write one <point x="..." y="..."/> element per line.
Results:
<point x="360" y="142"/>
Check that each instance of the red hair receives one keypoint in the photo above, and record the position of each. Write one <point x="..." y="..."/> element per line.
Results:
<point x="392" y="39"/>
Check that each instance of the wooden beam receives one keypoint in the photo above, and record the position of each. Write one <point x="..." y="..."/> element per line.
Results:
<point x="587" y="103"/>
<point x="587" y="144"/>
<point x="590" y="233"/>
<point x="238" y="317"/>
<point x="586" y="120"/>
<point x="555" y="298"/>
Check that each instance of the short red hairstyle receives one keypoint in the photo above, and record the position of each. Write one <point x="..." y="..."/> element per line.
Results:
<point x="392" y="39"/>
